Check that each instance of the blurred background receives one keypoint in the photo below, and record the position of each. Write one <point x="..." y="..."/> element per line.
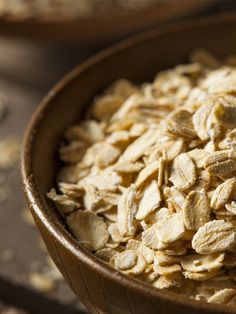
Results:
<point x="40" y="41"/>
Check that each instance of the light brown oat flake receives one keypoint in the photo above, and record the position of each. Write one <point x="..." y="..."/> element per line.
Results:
<point x="109" y="197"/>
<point x="105" y="180"/>
<point x="9" y="152"/>
<point x="222" y="193"/>
<point x="223" y="170"/>
<point x="200" y="276"/>
<point x="71" y="174"/>
<point x="229" y="142"/>
<point x="89" y="229"/>
<point x="204" y="122"/>
<point x="119" y="138"/>
<point x="183" y="173"/>
<point x="42" y="282"/>
<point x="198" y="156"/>
<point x="164" y="232"/>
<point x="141" y="249"/>
<point x="161" y="170"/>
<point x="128" y="167"/>
<point x="63" y="202"/>
<point x="175" y="198"/>
<point x="139" y="146"/>
<point x="231" y="208"/>
<point x="150" y="200"/>
<point x="178" y="248"/>
<point x="162" y="259"/>
<point x="157" y="215"/>
<point x="172" y="147"/>
<point x="77" y="133"/>
<point x="220" y="81"/>
<point x="146" y="173"/>
<point x="167" y="281"/>
<point x="104" y="107"/>
<point x="221" y="163"/>
<point x="127" y="209"/>
<point x="204" y="181"/>
<point x="197" y="263"/>
<point x="196" y="210"/>
<point x="139" y="267"/>
<point x="217" y="157"/>
<point x="70" y="189"/>
<point x="167" y="270"/>
<point x="111" y="214"/>
<point x="107" y="155"/>
<point x="129" y="262"/>
<point x="106" y="254"/>
<point x="123" y="88"/>
<point x="225" y="296"/>
<point x="73" y="152"/>
<point x="115" y="234"/>
<point x="91" y="199"/>
<point x="125" y="260"/>
<point x="180" y="123"/>
<point x="214" y="236"/>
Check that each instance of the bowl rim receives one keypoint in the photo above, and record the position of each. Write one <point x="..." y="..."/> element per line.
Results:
<point x="36" y="199"/>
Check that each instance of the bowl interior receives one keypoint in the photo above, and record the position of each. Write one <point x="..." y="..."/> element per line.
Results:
<point x="138" y="60"/>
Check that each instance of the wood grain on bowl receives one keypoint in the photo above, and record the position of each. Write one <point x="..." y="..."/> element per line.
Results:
<point x="101" y="288"/>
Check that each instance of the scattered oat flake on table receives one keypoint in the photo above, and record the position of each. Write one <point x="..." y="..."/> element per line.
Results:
<point x="9" y="152"/>
<point x="42" y="282"/>
<point x="148" y="179"/>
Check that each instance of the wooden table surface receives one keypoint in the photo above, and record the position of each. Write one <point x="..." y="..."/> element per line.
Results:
<point x="27" y="71"/>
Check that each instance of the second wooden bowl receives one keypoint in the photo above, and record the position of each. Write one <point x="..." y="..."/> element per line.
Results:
<point x="100" y="27"/>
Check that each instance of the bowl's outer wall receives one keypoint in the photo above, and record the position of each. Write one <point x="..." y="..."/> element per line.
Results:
<point x="138" y="61"/>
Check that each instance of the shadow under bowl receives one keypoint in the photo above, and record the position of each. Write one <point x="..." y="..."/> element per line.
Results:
<point x="101" y="288"/>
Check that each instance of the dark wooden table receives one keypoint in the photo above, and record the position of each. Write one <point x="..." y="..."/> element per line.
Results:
<point x="27" y="71"/>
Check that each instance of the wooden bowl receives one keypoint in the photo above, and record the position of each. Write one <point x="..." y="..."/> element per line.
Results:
<point x="99" y="27"/>
<point x="101" y="288"/>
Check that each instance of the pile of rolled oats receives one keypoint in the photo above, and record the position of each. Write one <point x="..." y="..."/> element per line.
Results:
<point x="149" y="180"/>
